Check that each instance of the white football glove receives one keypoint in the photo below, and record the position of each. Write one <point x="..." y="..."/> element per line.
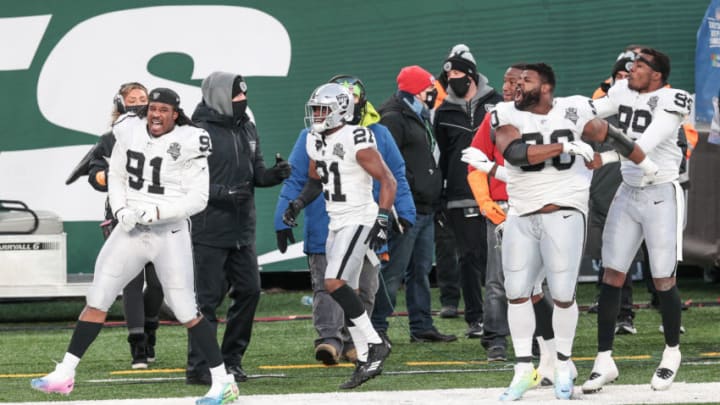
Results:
<point x="478" y="159"/>
<point x="650" y="170"/>
<point x="579" y="148"/>
<point x="146" y="217"/>
<point x="127" y="218"/>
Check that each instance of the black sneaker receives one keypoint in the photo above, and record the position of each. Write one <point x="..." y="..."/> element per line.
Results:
<point x="431" y="335"/>
<point x="625" y="326"/>
<point x="475" y="330"/>
<point x="497" y="353"/>
<point x="138" y="350"/>
<point x="193" y="378"/>
<point x="237" y="372"/>
<point x="449" y="311"/>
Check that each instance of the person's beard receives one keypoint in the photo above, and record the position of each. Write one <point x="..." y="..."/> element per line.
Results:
<point x="528" y="100"/>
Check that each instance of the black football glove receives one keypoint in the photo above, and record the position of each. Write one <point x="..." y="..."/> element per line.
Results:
<point x="291" y="212"/>
<point x="378" y="235"/>
<point x="283" y="237"/>
<point x="281" y="170"/>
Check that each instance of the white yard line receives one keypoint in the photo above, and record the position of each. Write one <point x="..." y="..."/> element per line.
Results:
<point x="612" y="394"/>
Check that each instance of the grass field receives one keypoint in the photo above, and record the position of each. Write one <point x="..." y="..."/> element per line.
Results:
<point x="280" y="359"/>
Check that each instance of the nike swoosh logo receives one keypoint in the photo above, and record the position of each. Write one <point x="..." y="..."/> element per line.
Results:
<point x="175" y="230"/>
<point x="657" y="202"/>
<point x="566" y="216"/>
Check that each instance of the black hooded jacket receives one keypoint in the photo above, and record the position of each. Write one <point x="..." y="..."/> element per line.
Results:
<point x="236" y="159"/>
<point x="456" y="122"/>
<point x="414" y="138"/>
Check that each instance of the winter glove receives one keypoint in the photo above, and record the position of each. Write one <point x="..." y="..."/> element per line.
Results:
<point x="579" y="148"/>
<point x="378" y="235"/>
<point x="127" y="218"/>
<point x="492" y="211"/>
<point x="291" y="212"/>
<point x="281" y="170"/>
<point x="283" y="237"/>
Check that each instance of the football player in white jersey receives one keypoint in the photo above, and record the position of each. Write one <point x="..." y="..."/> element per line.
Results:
<point x="343" y="162"/>
<point x="158" y="177"/>
<point x="648" y="208"/>
<point x="548" y="188"/>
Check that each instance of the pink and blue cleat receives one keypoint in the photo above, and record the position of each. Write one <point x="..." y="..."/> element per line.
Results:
<point x="59" y="381"/>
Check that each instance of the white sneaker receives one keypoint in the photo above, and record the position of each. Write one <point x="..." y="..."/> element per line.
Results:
<point x="667" y="370"/>
<point x="604" y="371"/>
<point x="563" y="380"/>
<point x="525" y="378"/>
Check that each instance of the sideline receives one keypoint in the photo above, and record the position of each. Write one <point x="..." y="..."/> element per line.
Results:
<point x="613" y="394"/>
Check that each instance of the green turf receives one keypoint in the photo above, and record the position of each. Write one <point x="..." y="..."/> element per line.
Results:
<point x="27" y="349"/>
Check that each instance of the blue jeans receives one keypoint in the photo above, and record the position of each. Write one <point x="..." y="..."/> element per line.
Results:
<point x="411" y="260"/>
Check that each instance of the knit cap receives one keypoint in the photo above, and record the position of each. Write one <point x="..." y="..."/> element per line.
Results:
<point x="461" y="59"/>
<point x="414" y="79"/>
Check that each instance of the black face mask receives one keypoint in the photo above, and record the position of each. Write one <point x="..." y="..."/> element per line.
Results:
<point x="239" y="108"/>
<point x="139" y="110"/>
<point x="430" y="98"/>
<point x="460" y="85"/>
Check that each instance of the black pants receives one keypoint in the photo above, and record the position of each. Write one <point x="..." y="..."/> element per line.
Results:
<point x="140" y="305"/>
<point x="472" y="248"/>
<point x="446" y="262"/>
<point x="219" y="271"/>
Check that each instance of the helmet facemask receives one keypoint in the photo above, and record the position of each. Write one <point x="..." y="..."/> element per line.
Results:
<point x="330" y="106"/>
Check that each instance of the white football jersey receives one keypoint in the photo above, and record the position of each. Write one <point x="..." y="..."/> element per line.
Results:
<point x="563" y="180"/>
<point x="635" y="115"/>
<point x="168" y="172"/>
<point x="347" y="187"/>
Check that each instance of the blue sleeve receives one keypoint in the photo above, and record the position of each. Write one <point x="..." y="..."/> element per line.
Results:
<point x="404" y="204"/>
<point x="299" y="161"/>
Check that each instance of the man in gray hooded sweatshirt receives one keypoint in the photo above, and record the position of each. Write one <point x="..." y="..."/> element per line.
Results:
<point x="223" y="235"/>
<point x="456" y="121"/>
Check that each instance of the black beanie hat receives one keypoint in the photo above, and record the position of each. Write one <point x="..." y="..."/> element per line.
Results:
<point x="238" y="86"/>
<point x="166" y="96"/>
<point x="622" y="64"/>
<point x="461" y="59"/>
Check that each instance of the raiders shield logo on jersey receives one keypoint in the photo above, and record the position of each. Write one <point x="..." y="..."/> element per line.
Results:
<point x="339" y="151"/>
<point x="174" y="150"/>
<point x="571" y="113"/>
<point x="653" y="102"/>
